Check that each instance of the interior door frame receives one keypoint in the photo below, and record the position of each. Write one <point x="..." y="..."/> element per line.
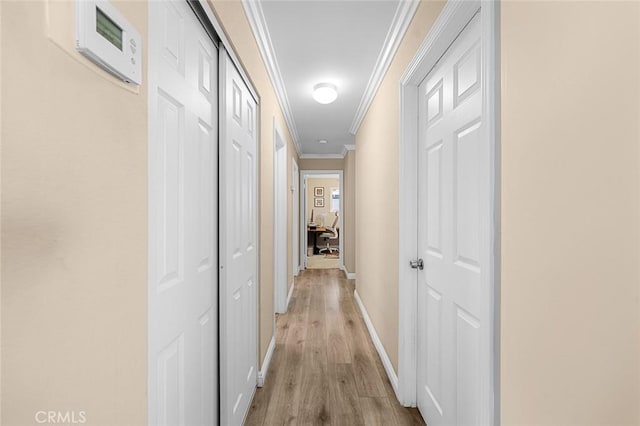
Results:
<point x="295" y="206"/>
<point x="304" y="174"/>
<point x="279" y="219"/>
<point x="452" y="20"/>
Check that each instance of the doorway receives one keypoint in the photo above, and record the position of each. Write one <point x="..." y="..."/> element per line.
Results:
<point x="321" y="219"/>
<point x="448" y="357"/>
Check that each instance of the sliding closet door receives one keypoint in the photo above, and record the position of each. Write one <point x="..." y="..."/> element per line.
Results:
<point x="238" y="250"/>
<point x="183" y="184"/>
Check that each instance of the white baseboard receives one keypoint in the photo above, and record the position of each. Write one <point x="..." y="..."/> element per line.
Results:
<point x="289" y="295"/>
<point x="262" y="374"/>
<point x="350" y="275"/>
<point x="386" y="362"/>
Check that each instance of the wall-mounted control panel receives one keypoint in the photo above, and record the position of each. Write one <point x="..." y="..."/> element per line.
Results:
<point x="105" y="37"/>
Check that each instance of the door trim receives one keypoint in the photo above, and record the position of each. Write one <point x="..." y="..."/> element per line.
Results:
<point x="295" y="207"/>
<point x="452" y="20"/>
<point x="279" y="219"/>
<point x="304" y="174"/>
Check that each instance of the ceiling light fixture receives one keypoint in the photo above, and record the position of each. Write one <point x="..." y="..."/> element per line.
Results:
<point x="325" y="93"/>
<point x="322" y="141"/>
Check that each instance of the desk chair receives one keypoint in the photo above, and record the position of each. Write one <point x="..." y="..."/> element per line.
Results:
<point x="331" y="234"/>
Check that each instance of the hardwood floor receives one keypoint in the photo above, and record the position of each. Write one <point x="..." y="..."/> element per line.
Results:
<point x="325" y="369"/>
<point x="322" y="262"/>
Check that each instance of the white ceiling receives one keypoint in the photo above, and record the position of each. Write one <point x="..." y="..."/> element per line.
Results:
<point x="315" y="41"/>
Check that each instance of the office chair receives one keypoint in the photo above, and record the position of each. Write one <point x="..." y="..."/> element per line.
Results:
<point x="332" y="234"/>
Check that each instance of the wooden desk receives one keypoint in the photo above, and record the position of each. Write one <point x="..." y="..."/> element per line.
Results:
<point x="317" y="230"/>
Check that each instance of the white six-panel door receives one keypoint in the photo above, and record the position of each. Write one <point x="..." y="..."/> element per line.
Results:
<point x="238" y="250"/>
<point x="183" y="258"/>
<point x="453" y="214"/>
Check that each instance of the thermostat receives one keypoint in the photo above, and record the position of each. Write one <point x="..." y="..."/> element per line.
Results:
<point x="109" y="40"/>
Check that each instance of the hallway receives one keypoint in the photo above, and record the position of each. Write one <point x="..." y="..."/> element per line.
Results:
<point x="325" y="369"/>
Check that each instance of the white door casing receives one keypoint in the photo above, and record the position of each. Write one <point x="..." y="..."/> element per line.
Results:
<point x="279" y="220"/>
<point x="238" y="244"/>
<point x="304" y="235"/>
<point x="183" y="257"/>
<point x="295" y="196"/>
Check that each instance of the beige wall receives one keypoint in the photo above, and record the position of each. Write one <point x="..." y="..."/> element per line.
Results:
<point x="348" y="211"/>
<point x="376" y="174"/>
<point x="232" y="17"/>
<point x="74" y="221"/>
<point x="570" y="210"/>
<point x="327" y="184"/>
<point x="570" y="214"/>
<point x="321" y="164"/>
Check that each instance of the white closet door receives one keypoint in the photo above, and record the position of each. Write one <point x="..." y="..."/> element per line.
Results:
<point x="238" y="251"/>
<point x="453" y="221"/>
<point x="182" y="295"/>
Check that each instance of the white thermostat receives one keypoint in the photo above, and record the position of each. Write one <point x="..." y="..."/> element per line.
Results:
<point x="109" y="40"/>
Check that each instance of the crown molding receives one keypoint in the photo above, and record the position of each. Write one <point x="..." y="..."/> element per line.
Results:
<point x="340" y="156"/>
<point x="399" y="25"/>
<point x="258" y="24"/>
<point x="347" y="148"/>
<point x="321" y="156"/>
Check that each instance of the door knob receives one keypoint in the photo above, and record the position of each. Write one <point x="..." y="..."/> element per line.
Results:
<point x="417" y="264"/>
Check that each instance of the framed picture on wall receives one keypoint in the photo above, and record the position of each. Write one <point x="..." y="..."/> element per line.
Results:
<point x="318" y="191"/>
<point x="318" y="202"/>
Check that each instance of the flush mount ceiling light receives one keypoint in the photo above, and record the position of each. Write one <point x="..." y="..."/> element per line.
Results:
<point x="325" y="93"/>
<point x="322" y="141"/>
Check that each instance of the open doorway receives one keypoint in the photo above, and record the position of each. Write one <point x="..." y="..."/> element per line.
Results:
<point x="321" y="219"/>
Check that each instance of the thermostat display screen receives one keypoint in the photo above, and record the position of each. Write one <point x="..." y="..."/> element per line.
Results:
<point x="108" y="29"/>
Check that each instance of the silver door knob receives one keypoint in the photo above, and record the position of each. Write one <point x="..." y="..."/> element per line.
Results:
<point x="417" y="264"/>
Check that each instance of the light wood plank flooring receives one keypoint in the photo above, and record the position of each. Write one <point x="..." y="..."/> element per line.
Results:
<point x="325" y="369"/>
<point x="322" y="262"/>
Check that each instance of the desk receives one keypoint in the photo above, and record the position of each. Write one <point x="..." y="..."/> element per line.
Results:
<point x="317" y="230"/>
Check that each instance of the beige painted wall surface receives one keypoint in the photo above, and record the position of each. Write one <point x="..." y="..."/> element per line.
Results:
<point x="570" y="214"/>
<point x="234" y="21"/>
<point x="376" y="174"/>
<point x="348" y="211"/>
<point x="327" y="184"/>
<point x="74" y="221"/>
<point x="321" y="164"/>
